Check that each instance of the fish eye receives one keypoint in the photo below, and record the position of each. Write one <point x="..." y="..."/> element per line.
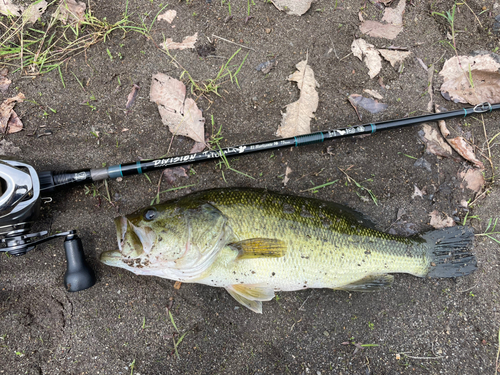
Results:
<point x="150" y="214"/>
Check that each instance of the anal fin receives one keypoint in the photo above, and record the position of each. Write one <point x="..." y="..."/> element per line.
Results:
<point x="370" y="283"/>
<point x="251" y="296"/>
<point x="259" y="248"/>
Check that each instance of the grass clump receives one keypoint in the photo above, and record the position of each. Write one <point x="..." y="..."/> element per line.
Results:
<point x="38" y="50"/>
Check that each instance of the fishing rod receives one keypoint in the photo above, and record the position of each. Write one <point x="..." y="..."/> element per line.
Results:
<point x="50" y="180"/>
<point x="21" y="187"/>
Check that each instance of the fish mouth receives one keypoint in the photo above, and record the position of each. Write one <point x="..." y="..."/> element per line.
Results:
<point x="141" y="239"/>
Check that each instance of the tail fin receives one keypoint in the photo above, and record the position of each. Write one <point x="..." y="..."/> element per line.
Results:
<point x="450" y="252"/>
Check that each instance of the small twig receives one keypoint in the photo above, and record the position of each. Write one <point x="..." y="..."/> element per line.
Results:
<point x="412" y="357"/>
<point x="488" y="145"/>
<point x="466" y="290"/>
<point x="333" y="46"/>
<point x="480" y="24"/>
<point x="293" y="325"/>
<point x="237" y="44"/>
<point x="300" y="308"/>
<point x="349" y="54"/>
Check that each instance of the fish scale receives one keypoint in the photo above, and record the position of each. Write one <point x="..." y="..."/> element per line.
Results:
<point x="253" y="242"/>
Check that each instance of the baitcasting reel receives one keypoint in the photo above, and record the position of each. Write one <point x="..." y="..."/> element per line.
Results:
<point x="20" y="187"/>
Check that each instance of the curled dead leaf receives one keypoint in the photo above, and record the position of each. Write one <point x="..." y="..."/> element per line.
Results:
<point x="4" y="81"/>
<point x="472" y="179"/>
<point x="472" y="79"/>
<point x="366" y="52"/>
<point x="8" y="8"/>
<point x="198" y="147"/>
<point x="293" y="7"/>
<point x="34" y="11"/>
<point x="171" y="174"/>
<point x="391" y="25"/>
<point x="417" y="193"/>
<point x="131" y="97"/>
<point x="394" y="57"/>
<point x="465" y="150"/>
<point x="373" y="93"/>
<point x="187" y="42"/>
<point x="180" y="114"/>
<point x="297" y="118"/>
<point x="71" y="11"/>
<point x="368" y="104"/>
<point x="440" y="221"/>
<point x="168" y="16"/>
<point x="434" y="143"/>
<point x="287" y="173"/>
<point x="8" y="118"/>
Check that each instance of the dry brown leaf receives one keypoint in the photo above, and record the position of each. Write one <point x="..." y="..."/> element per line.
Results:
<point x="465" y="150"/>
<point x="360" y="48"/>
<point x="15" y="124"/>
<point x="367" y="104"/>
<point x="179" y="113"/>
<point x="481" y="69"/>
<point x="394" y="57"/>
<point x="417" y="193"/>
<point x="294" y="7"/>
<point x="168" y="16"/>
<point x="472" y="179"/>
<point x="6" y="113"/>
<point x="439" y="221"/>
<point x="4" y="81"/>
<point x="374" y="93"/>
<point x="198" y="147"/>
<point x="10" y="9"/>
<point x="434" y="143"/>
<point x="187" y="42"/>
<point x="485" y="88"/>
<point x="131" y="97"/>
<point x="71" y="11"/>
<point x="430" y="91"/>
<point x="34" y="11"/>
<point x="442" y="124"/>
<point x="394" y="16"/>
<point x="459" y="144"/>
<point x="393" y="25"/>
<point x="172" y="173"/>
<point x="379" y="30"/>
<point x="287" y="172"/>
<point x="7" y="147"/>
<point x="177" y="285"/>
<point x="297" y="118"/>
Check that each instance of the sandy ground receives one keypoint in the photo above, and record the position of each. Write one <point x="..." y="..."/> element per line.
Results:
<point x="121" y="325"/>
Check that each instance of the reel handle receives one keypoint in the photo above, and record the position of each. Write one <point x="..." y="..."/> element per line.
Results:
<point x="79" y="275"/>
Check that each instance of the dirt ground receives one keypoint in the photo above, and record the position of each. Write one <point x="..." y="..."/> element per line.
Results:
<point x="121" y="325"/>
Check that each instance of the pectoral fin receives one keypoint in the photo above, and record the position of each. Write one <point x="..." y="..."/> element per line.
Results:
<point x="259" y="248"/>
<point x="369" y="284"/>
<point x="251" y="296"/>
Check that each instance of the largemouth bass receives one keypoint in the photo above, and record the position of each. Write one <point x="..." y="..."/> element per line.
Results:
<point x="255" y="242"/>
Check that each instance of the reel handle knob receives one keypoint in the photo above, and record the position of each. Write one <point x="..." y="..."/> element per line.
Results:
<point x="79" y="275"/>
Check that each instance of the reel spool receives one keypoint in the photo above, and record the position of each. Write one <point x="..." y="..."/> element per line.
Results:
<point x="19" y="208"/>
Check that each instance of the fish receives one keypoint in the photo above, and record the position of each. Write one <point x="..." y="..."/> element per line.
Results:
<point x="255" y="242"/>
